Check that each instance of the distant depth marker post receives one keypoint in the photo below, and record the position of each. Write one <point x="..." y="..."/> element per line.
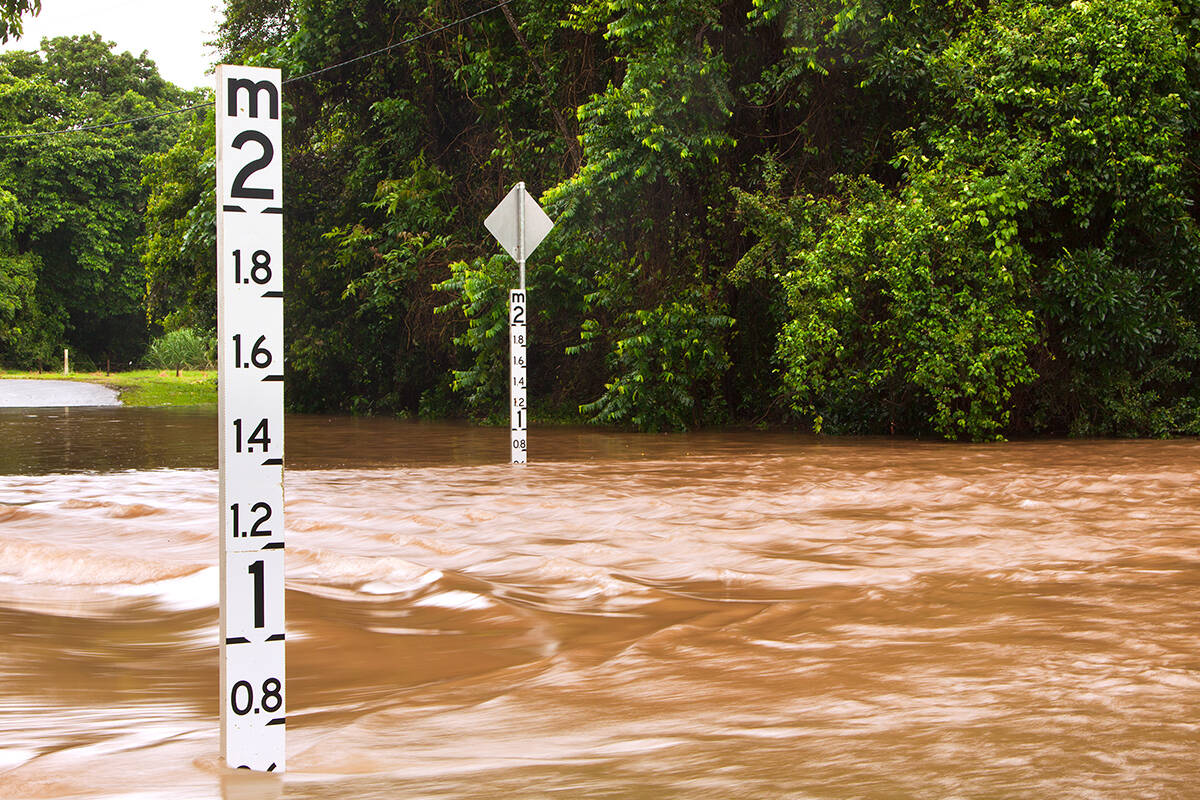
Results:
<point x="519" y="224"/>
<point x="250" y="392"/>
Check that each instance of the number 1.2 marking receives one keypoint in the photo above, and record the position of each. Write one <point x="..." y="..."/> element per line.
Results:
<point x="256" y="528"/>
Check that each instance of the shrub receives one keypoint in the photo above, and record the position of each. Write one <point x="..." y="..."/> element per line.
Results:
<point x="178" y="350"/>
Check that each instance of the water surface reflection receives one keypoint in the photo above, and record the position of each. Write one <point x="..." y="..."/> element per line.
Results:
<point x="708" y="616"/>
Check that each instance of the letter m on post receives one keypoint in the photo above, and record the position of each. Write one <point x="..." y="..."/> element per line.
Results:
<point x="254" y="90"/>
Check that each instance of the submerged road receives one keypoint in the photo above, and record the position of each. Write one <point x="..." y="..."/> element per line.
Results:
<point x="22" y="393"/>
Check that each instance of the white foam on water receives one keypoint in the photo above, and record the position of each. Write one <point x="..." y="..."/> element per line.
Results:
<point x="456" y="599"/>
<point x="54" y="565"/>
<point x="402" y="587"/>
<point x="15" y="756"/>
<point x="147" y="734"/>
<point x="383" y="574"/>
<point x="188" y="593"/>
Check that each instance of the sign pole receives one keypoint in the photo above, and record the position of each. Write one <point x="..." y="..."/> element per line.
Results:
<point x="521" y="232"/>
<point x="519" y="354"/>
<point x="519" y="224"/>
<point x="250" y="411"/>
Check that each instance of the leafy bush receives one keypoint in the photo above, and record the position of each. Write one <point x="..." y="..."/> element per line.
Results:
<point x="481" y="295"/>
<point x="1014" y="248"/>
<point x="178" y="350"/>
<point x="906" y="311"/>
<point x="666" y="367"/>
<point x="1037" y="253"/>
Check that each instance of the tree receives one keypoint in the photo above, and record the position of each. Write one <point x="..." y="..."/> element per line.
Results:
<point x="79" y="192"/>
<point x="179" y="245"/>
<point x="1037" y="254"/>
<point x="11" y="12"/>
<point x="27" y="334"/>
<point x="962" y="218"/>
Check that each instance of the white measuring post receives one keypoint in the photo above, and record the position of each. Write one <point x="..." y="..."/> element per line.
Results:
<point x="519" y="224"/>
<point x="518" y="343"/>
<point x="518" y="399"/>
<point x="250" y="400"/>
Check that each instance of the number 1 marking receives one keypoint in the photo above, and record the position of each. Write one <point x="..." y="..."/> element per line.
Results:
<point x="256" y="569"/>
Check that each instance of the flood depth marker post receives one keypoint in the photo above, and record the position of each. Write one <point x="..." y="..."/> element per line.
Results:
<point x="519" y="224"/>
<point x="250" y="400"/>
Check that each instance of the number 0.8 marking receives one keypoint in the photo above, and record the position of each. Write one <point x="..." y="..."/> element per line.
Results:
<point x="272" y="697"/>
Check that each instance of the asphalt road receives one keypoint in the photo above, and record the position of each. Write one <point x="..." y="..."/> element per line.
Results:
<point x="20" y="393"/>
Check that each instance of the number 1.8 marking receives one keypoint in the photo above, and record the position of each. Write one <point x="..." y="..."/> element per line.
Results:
<point x="260" y="270"/>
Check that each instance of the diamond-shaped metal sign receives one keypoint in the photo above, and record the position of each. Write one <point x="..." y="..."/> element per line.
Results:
<point x="504" y="222"/>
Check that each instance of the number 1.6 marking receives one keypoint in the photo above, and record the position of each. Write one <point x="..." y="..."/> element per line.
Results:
<point x="260" y="356"/>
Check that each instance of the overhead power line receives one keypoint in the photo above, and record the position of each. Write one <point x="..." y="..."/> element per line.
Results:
<point x="102" y="125"/>
<point x="401" y="43"/>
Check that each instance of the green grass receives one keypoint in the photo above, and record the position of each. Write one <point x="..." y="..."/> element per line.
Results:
<point x="144" y="387"/>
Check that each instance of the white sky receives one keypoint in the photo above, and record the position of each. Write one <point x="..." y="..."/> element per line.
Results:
<point x="173" y="31"/>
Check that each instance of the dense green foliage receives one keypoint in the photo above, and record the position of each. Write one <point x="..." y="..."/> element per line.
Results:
<point x="11" y="11"/>
<point x="71" y="204"/>
<point x="179" y="243"/>
<point x="179" y="349"/>
<point x="1036" y="253"/>
<point x="968" y="219"/>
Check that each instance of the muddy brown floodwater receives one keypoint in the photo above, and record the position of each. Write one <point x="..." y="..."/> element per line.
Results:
<point x="704" y="616"/>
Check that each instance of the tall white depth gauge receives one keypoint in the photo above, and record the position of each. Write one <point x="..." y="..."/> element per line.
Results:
<point x="250" y="388"/>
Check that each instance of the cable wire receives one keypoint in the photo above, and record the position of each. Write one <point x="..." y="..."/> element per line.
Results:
<point x="401" y="43"/>
<point x="305" y="76"/>
<point x="102" y="125"/>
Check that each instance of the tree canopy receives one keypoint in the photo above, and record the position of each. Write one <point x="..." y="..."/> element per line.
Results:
<point x="11" y="14"/>
<point x="76" y="200"/>
<point x="967" y="219"/>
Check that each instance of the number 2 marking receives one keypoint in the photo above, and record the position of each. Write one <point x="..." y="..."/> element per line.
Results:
<point x="239" y="183"/>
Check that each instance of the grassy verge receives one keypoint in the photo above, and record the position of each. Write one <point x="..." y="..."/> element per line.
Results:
<point x="144" y="387"/>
